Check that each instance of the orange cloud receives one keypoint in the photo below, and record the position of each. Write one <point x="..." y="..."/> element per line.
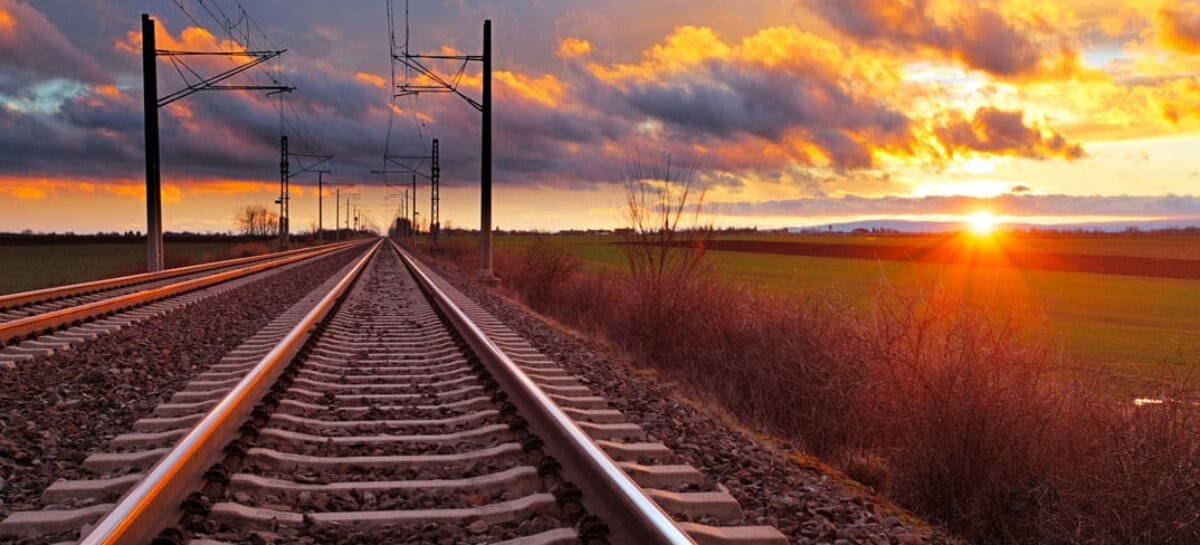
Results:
<point x="234" y="187"/>
<point x="36" y="188"/>
<point x="108" y="91"/>
<point x="573" y="47"/>
<point x="371" y="79"/>
<point x="1177" y="25"/>
<point x="998" y="132"/>
<point x="24" y="192"/>
<point x="546" y="90"/>
<point x="1017" y="42"/>
<point x="686" y="47"/>
<point x="8" y="23"/>
<point x="190" y="38"/>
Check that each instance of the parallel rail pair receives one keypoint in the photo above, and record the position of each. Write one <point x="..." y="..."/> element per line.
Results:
<point x="609" y="492"/>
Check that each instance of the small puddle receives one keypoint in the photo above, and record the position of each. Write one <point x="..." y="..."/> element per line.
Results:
<point x="1158" y="401"/>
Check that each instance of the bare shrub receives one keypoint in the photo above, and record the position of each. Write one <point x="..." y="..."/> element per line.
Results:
<point x="866" y="467"/>
<point x="664" y="248"/>
<point x="247" y="249"/>
<point x="1134" y="479"/>
<point x="960" y="403"/>
<point x="539" y="272"/>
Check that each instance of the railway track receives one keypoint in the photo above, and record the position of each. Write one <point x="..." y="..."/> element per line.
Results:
<point x="40" y="322"/>
<point x="386" y="407"/>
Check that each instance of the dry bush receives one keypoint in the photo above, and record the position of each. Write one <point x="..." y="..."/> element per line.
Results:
<point x="537" y="273"/>
<point x="664" y="249"/>
<point x="959" y="402"/>
<point x="866" y="467"/>
<point x="247" y="249"/>
<point x="462" y="252"/>
<point x="1135" y="478"/>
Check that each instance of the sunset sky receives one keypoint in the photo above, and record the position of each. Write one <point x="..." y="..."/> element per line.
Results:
<point x="794" y="112"/>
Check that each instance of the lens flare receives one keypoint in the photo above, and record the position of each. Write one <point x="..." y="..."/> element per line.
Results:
<point x="982" y="223"/>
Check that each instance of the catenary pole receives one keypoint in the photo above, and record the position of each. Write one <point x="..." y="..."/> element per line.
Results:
<point x="154" y="238"/>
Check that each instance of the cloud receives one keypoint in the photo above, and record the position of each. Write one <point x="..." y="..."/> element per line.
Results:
<point x="1177" y="24"/>
<point x="573" y="47"/>
<point x="781" y="86"/>
<point x="369" y="78"/>
<point x="1000" y="132"/>
<point x="32" y="49"/>
<point x="1058" y="206"/>
<point x="974" y="34"/>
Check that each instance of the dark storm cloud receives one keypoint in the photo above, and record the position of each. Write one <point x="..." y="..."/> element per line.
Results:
<point x="32" y="48"/>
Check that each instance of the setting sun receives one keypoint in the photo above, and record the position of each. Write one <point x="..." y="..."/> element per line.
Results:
<point x="982" y="223"/>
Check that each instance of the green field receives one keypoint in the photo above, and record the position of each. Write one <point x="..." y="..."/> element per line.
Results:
<point x="1129" y="328"/>
<point x="39" y="266"/>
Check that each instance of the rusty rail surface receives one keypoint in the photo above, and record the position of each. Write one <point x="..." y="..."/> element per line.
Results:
<point x="17" y="329"/>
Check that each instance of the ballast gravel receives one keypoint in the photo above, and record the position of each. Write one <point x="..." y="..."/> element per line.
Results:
<point x="55" y="410"/>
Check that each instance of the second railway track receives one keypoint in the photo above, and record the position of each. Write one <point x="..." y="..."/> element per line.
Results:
<point x="29" y="321"/>
<point x="393" y="411"/>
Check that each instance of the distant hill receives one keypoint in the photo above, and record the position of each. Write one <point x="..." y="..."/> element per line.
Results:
<point x="910" y="226"/>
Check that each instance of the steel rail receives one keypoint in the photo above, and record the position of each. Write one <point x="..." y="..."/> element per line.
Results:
<point x="43" y="322"/>
<point x="58" y="292"/>
<point x="608" y="491"/>
<point x="154" y="502"/>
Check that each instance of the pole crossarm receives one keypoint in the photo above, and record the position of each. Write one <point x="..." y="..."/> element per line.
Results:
<point x="404" y="170"/>
<point x="210" y="83"/>
<point x="440" y="84"/>
<point x="321" y="159"/>
<point x="401" y="162"/>
<point x="178" y="53"/>
<point x="449" y="57"/>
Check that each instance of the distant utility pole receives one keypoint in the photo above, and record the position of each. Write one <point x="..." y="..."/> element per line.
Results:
<point x="283" y="192"/>
<point x="431" y="82"/>
<point x="320" y="205"/>
<point x="285" y="186"/>
<point x="434" y="173"/>
<point x="152" y="102"/>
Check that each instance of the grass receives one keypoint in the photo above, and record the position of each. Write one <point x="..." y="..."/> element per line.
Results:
<point x="1127" y="329"/>
<point x="40" y="266"/>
